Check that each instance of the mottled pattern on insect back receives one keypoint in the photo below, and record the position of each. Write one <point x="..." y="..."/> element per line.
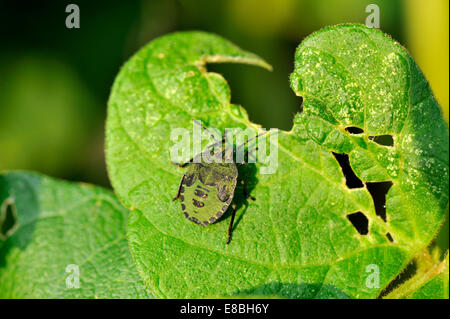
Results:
<point x="207" y="189"/>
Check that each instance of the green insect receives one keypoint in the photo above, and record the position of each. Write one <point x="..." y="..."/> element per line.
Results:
<point x="206" y="190"/>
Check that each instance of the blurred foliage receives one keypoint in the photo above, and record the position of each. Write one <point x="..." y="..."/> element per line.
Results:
<point x="427" y="39"/>
<point x="54" y="81"/>
<point x="45" y="116"/>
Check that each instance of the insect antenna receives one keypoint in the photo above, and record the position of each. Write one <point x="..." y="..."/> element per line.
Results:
<point x="217" y="142"/>
<point x="199" y="123"/>
<point x="248" y="141"/>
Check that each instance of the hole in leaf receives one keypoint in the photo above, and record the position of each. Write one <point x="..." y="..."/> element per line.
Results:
<point x="378" y="191"/>
<point x="385" y="140"/>
<point x="354" y="130"/>
<point x="8" y="218"/>
<point x="352" y="180"/>
<point x="243" y="79"/>
<point x="406" y="274"/>
<point x="360" y="222"/>
<point x="389" y="236"/>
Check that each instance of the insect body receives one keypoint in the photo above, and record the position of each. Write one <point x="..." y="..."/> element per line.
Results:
<point x="206" y="190"/>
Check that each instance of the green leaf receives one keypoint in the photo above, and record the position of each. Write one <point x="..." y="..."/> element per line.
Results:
<point x="430" y="280"/>
<point x="295" y="240"/>
<point x="58" y="227"/>
<point x="437" y="286"/>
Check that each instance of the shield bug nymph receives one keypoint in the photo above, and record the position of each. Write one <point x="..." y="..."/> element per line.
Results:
<point x="207" y="189"/>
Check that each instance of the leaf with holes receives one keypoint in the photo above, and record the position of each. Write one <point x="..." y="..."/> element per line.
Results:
<point x="63" y="240"/>
<point x="316" y="229"/>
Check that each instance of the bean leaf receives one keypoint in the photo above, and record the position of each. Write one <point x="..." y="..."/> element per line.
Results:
<point x="368" y="115"/>
<point x="436" y="286"/>
<point x="63" y="240"/>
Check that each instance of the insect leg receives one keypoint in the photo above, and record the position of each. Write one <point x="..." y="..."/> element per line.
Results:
<point x="179" y="190"/>
<point x="251" y="139"/>
<point x="248" y="141"/>
<point x="230" y="227"/>
<point x="199" y="123"/>
<point x="244" y="190"/>
<point x="246" y="156"/>
<point x="184" y="164"/>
